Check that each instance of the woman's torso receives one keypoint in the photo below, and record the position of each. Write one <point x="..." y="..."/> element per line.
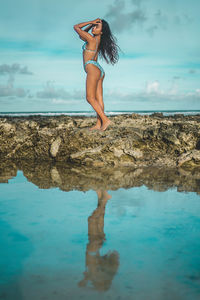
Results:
<point x="90" y="55"/>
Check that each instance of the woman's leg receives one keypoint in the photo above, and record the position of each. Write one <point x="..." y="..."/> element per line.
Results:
<point x="93" y="75"/>
<point x="99" y="97"/>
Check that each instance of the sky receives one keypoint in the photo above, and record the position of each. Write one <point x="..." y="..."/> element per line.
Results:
<point x="41" y="65"/>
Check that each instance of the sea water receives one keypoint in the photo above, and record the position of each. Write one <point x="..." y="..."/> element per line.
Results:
<point x="134" y="243"/>
<point x="93" y="113"/>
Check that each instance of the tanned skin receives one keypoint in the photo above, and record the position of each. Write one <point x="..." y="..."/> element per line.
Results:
<point x="94" y="84"/>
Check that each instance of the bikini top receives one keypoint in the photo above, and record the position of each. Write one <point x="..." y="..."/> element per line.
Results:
<point x="84" y="47"/>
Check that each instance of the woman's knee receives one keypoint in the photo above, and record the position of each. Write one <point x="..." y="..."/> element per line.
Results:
<point x="90" y="99"/>
<point x="91" y="87"/>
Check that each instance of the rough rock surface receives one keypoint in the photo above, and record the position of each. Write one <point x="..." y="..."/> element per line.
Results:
<point x="51" y="174"/>
<point x="133" y="141"/>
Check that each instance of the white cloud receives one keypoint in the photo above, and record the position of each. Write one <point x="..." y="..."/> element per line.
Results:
<point x="197" y="91"/>
<point x="49" y="92"/>
<point x="11" y="71"/>
<point x="15" y="68"/>
<point x="153" y="93"/>
<point x="10" y="90"/>
<point x="153" y="88"/>
<point x="58" y="95"/>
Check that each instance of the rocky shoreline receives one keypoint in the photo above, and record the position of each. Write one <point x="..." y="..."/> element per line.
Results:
<point x="133" y="141"/>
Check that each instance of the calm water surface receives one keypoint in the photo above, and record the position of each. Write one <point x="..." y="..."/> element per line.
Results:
<point x="134" y="243"/>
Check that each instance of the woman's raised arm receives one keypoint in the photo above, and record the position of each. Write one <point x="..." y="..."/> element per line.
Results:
<point x="88" y="27"/>
<point x="82" y="33"/>
<point x="80" y="25"/>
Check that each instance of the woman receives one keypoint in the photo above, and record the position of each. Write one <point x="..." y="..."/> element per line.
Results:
<point x="101" y="41"/>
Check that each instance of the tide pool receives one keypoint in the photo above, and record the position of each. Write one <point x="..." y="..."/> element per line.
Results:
<point x="127" y="243"/>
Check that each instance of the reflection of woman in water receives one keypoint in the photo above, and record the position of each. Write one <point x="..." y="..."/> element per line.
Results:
<point x="100" y="269"/>
<point x="103" y="42"/>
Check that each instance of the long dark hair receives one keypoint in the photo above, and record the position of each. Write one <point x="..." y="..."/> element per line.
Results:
<point x="108" y="47"/>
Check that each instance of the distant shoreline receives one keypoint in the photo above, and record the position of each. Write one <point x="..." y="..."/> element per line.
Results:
<point x="92" y="113"/>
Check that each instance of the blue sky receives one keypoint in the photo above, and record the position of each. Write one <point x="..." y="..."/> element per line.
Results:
<point x="41" y="58"/>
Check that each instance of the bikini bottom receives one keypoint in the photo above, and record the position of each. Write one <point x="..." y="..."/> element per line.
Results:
<point x="96" y="64"/>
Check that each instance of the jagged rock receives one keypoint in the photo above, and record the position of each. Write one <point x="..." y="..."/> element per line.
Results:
<point x="55" y="147"/>
<point x="190" y="158"/>
<point x="135" y="140"/>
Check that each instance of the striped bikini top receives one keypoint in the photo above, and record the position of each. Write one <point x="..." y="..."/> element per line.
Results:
<point x="84" y="47"/>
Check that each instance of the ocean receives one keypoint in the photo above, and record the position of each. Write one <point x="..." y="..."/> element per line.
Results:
<point x="93" y="113"/>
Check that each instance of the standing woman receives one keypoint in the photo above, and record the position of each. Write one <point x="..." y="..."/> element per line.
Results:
<point x="103" y="42"/>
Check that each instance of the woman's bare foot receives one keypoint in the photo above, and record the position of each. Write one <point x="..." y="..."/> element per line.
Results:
<point x="96" y="127"/>
<point x="105" y="125"/>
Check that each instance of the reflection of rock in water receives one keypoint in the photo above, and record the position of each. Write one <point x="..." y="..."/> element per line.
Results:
<point x="67" y="177"/>
<point x="100" y="270"/>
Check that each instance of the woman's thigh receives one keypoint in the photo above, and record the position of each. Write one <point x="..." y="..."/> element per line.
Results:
<point x="99" y="91"/>
<point x="92" y="79"/>
<point x="91" y="68"/>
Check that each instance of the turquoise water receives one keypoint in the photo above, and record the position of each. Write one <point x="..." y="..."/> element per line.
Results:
<point x="93" y="113"/>
<point x="131" y="243"/>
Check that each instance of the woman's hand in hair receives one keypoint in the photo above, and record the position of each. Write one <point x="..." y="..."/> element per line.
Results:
<point x="96" y="21"/>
